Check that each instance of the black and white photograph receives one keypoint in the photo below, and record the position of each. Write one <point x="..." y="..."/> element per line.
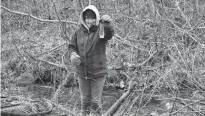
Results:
<point x="102" y="58"/>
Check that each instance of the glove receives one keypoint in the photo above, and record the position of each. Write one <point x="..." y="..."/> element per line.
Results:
<point x="75" y="58"/>
<point x="106" y="19"/>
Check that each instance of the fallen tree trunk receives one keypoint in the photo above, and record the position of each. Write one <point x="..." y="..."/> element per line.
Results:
<point x="111" y="111"/>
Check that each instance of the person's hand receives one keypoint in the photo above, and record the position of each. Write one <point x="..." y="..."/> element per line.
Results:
<point x="75" y="58"/>
<point x="106" y="18"/>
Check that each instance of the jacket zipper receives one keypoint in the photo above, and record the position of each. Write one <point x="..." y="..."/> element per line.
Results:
<point x="85" y="47"/>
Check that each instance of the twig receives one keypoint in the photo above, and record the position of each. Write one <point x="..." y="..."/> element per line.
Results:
<point x="36" y="18"/>
<point x="59" y="88"/>
<point x="200" y="111"/>
<point x="120" y="39"/>
<point x="54" y="64"/>
<point x="182" y="13"/>
<point x="193" y="36"/>
<point x="180" y="54"/>
<point x="63" y="27"/>
<point x="51" y="50"/>
<point x="173" y="104"/>
<point x="81" y="4"/>
<point x="65" y="109"/>
<point x="184" y="31"/>
<point x="184" y="107"/>
<point x="133" y="18"/>
<point x="89" y="2"/>
<point x="195" y="26"/>
<point x="15" y="46"/>
<point x="193" y="110"/>
<point x="195" y="80"/>
<point x="181" y="99"/>
<point x="159" y="80"/>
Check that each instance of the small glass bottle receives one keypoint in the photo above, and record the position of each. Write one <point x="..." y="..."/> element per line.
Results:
<point x="102" y="33"/>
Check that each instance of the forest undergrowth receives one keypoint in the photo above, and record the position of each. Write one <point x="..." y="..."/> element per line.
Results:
<point x="156" y="59"/>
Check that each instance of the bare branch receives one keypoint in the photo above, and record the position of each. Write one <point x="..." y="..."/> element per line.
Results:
<point x="53" y="64"/>
<point x="36" y="18"/>
<point x="111" y="111"/>
<point x="63" y="26"/>
<point x="193" y="36"/>
<point x="17" y="49"/>
<point x="120" y="39"/>
<point x="71" y="113"/>
<point x="187" y="105"/>
<point x="198" y="113"/>
<point x="51" y="50"/>
<point x="90" y="2"/>
<point x="182" y="13"/>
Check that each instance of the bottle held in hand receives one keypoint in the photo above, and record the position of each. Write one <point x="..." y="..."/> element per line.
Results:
<point x="105" y="20"/>
<point x="101" y="33"/>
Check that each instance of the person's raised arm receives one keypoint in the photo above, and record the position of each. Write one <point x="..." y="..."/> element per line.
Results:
<point x="108" y="28"/>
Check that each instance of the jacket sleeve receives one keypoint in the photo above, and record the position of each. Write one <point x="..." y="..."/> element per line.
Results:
<point x="109" y="31"/>
<point x="72" y="46"/>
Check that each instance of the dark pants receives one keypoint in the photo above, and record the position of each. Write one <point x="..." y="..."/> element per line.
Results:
<point x="91" y="93"/>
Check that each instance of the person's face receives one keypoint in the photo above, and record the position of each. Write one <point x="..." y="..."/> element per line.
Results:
<point x="90" y="21"/>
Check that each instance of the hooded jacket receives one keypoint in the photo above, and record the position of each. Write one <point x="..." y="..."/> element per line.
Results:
<point x="87" y="43"/>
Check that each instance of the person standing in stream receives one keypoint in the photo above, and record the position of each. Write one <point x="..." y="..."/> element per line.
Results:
<point x="87" y="52"/>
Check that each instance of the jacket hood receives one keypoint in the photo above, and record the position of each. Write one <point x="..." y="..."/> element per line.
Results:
<point x="95" y="10"/>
